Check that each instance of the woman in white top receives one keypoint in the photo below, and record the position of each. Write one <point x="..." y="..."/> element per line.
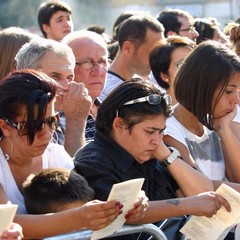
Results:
<point x="207" y="89"/>
<point x="27" y="122"/>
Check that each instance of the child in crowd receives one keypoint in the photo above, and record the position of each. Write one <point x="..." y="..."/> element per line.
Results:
<point x="54" y="190"/>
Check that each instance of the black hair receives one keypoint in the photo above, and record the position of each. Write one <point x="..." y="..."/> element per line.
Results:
<point x="47" y="9"/>
<point x="114" y="106"/>
<point x="28" y="88"/>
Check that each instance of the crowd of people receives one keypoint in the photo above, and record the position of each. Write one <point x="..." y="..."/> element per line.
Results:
<point x="82" y="110"/>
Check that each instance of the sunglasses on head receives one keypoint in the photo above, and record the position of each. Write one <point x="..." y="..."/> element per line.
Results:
<point x="151" y="99"/>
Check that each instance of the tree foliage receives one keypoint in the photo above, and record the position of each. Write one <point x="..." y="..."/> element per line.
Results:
<point x="21" y="13"/>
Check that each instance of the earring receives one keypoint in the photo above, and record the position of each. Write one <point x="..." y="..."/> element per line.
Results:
<point x="7" y="156"/>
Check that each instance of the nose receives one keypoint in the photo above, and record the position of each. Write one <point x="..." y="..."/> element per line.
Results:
<point x="195" y="34"/>
<point x="65" y="83"/>
<point x="157" y="138"/>
<point x="98" y="69"/>
<point x="238" y="97"/>
<point x="45" y="132"/>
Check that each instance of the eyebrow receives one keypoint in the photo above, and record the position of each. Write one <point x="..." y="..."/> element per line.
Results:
<point x="157" y="129"/>
<point x="55" y="74"/>
<point x="234" y="85"/>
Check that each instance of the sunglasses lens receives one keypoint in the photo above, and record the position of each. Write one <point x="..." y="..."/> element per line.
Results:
<point x="52" y="122"/>
<point x="22" y="128"/>
<point x="154" y="99"/>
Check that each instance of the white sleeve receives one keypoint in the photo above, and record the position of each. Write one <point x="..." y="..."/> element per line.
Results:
<point x="56" y="156"/>
<point x="237" y="118"/>
<point x="175" y="130"/>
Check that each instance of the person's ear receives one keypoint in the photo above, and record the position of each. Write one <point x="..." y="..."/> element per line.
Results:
<point x="128" y="47"/>
<point x="119" y="125"/>
<point x="164" y="77"/>
<point x="5" y="127"/>
<point x="45" y="28"/>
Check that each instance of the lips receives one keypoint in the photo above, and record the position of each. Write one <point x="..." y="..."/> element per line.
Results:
<point x="43" y="146"/>
<point x="67" y="31"/>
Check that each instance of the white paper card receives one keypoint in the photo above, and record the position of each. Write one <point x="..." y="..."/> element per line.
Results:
<point x="126" y="193"/>
<point x="7" y="213"/>
<point x="218" y="226"/>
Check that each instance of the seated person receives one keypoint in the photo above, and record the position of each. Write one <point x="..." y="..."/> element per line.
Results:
<point x="165" y="59"/>
<point x="129" y="144"/>
<point x="54" y="190"/>
<point x="201" y="126"/>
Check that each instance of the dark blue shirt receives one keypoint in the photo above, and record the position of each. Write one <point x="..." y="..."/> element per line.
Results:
<point x="103" y="163"/>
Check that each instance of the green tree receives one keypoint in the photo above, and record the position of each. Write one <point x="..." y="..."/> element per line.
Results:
<point x="18" y="13"/>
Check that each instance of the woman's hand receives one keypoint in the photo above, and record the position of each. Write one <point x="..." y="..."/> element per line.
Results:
<point x="207" y="204"/>
<point x="139" y="209"/>
<point x="97" y="214"/>
<point x="15" y="232"/>
<point x="225" y="121"/>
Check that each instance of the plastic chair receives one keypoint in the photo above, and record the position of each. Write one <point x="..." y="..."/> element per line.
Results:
<point x="151" y="229"/>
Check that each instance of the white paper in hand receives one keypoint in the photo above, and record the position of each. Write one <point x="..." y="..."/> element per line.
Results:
<point x="7" y="213"/>
<point x="126" y="193"/>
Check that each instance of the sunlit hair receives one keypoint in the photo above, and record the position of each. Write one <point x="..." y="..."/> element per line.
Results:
<point x="160" y="56"/>
<point x="31" y="54"/>
<point x="205" y="28"/>
<point x="208" y="67"/>
<point x="134" y="29"/>
<point x="113" y="106"/>
<point x="30" y="89"/>
<point x="232" y="29"/>
<point x="11" y="40"/>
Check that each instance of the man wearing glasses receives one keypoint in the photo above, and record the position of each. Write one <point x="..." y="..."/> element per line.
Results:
<point x="72" y="101"/>
<point x="90" y="51"/>
<point x="178" y="22"/>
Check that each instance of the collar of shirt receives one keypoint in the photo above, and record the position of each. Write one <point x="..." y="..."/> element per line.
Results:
<point x="115" y="151"/>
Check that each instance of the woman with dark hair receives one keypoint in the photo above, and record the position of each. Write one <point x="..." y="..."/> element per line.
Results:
<point x="207" y="89"/>
<point x="128" y="144"/>
<point x="27" y="122"/>
<point x="166" y="58"/>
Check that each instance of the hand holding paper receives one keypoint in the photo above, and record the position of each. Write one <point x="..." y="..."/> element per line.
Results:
<point x="216" y="227"/>
<point x="7" y="213"/>
<point x="126" y="193"/>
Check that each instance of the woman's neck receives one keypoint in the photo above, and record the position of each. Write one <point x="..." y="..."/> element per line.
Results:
<point x="188" y="120"/>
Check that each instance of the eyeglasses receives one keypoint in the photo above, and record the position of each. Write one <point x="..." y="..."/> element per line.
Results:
<point x="52" y="122"/>
<point x="178" y="64"/>
<point x="89" y="63"/>
<point x="153" y="99"/>
<point x="191" y="29"/>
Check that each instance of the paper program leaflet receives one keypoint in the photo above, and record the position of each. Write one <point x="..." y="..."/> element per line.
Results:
<point x="126" y="193"/>
<point x="218" y="226"/>
<point x="7" y="213"/>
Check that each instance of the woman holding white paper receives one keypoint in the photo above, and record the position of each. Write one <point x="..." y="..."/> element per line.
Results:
<point x="129" y="144"/>
<point x="27" y="122"/>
